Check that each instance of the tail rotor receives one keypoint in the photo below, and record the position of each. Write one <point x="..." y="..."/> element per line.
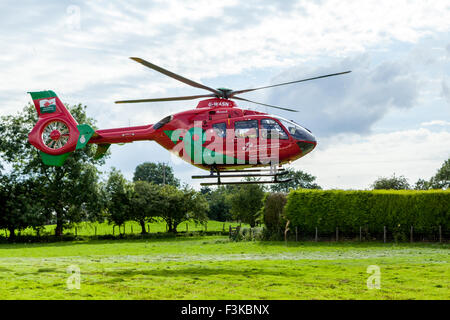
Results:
<point x="56" y="134"/>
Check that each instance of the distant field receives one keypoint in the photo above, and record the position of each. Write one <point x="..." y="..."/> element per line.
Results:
<point x="130" y="227"/>
<point x="214" y="268"/>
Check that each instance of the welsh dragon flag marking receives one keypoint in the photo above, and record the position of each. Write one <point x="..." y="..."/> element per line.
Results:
<point x="47" y="105"/>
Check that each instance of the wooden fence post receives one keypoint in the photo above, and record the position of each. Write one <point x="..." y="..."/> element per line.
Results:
<point x="296" y="234"/>
<point x="230" y="231"/>
<point x="148" y="228"/>
<point x="132" y="229"/>
<point x="286" y="230"/>
<point x="337" y="234"/>
<point x="440" y="234"/>
<point x="411" y="236"/>
<point x="384" y="234"/>
<point x="316" y="235"/>
<point x="360" y="234"/>
<point x="113" y="229"/>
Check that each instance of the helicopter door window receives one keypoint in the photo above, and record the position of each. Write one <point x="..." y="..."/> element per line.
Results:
<point x="270" y="128"/>
<point x="220" y="129"/>
<point x="246" y="129"/>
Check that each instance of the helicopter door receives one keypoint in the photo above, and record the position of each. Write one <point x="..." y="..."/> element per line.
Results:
<point x="269" y="145"/>
<point x="246" y="141"/>
<point x="215" y="144"/>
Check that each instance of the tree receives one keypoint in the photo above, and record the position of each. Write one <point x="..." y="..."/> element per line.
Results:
<point x="118" y="192"/>
<point x="246" y="202"/>
<point x="392" y="183"/>
<point x="158" y="173"/>
<point x="180" y="205"/>
<point x="273" y="210"/>
<point x="299" y="178"/>
<point x="21" y="204"/>
<point x="422" y="184"/>
<point x="146" y="202"/>
<point x="441" y="180"/>
<point x="69" y="191"/>
<point x="219" y="206"/>
<point x="206" y="191"/>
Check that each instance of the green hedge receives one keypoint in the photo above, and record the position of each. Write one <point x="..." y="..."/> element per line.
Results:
<point x="371" y="210"/>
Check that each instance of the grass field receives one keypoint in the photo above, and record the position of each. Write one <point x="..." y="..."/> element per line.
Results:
<point x="214" y="268"/>
<point x="130" y="227"/>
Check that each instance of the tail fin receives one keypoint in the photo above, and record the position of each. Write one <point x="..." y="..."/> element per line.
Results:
<point x="56" y="134"/>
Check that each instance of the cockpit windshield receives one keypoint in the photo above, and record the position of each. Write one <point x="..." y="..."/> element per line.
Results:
<point x="296" y="130"/>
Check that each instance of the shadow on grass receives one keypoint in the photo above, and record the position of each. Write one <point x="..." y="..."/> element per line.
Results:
<point x="352" y="243"/>
<point x="96" y="241"/>
<point x="200" y="272"/>
<point x="213" y="239"/>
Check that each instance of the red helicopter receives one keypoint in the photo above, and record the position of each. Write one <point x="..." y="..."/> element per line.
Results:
<point x="216" y="135"/>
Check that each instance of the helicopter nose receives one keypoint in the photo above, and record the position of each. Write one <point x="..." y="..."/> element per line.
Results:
<point x="306" y="146"/>
<point x="307" y="142"/>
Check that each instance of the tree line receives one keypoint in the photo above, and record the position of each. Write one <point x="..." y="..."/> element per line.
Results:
<point x="34" y="195"/>
<point x="441" y="180"/>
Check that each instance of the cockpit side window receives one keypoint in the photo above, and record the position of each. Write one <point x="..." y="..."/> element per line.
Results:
<point x="270" y="129"/>
<point x="246" y="129"/>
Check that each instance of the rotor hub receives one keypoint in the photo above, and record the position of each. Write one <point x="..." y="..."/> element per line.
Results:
<point x="225" y="92"/>
<point x="55" y="135"/>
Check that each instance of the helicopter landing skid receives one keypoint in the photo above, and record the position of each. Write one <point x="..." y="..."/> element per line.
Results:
<point x="273" y="172"/>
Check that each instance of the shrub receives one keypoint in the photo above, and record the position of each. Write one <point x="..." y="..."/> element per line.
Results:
<point x="274" y="218"/>
<point x="247" y="234"/>
<point x="372" y="210"/>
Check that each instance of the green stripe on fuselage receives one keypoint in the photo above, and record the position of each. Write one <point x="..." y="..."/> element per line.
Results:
<point x="193" y="148"/>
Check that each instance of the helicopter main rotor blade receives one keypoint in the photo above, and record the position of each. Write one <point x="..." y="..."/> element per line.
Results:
<point x="263" y="104"/>
<point x="175" y="76"/>
<point x="167" y="99"/>
<point x="285" y="83"/>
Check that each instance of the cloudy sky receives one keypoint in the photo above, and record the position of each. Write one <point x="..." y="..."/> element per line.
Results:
<point x="390" y="115"/>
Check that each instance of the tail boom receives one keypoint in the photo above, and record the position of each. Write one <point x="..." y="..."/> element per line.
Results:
<point x="122" y="135"/>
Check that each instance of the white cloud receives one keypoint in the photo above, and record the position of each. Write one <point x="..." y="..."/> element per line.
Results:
<point x="201" y="40"/>
<point x="446" y="91"/>
<point x="436" y="123"/>
<point x="356" y="162"/>
<point x="352" y="102"/>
